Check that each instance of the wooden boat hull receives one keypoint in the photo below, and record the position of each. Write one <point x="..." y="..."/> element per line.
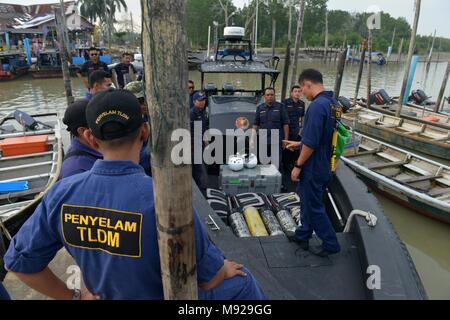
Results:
<point x="423" y="138"/>
<point x="41" y="170"/>
<point x="47" y="74"/>
<point x="19" y="73"/>
<point x="410" y="202"/>
<point x="444" y="120"/>
<point x="418" y="183"/>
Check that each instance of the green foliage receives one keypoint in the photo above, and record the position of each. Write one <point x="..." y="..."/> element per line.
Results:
<point x="344" y="27"/>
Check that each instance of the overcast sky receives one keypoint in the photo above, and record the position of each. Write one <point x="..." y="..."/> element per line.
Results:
<point x="434" y="13"/>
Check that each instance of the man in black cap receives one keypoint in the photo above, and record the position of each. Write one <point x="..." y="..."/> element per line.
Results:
<point x="198" y="115"/>
<point x="106" y="220"/>
<point x="80" y="156"/>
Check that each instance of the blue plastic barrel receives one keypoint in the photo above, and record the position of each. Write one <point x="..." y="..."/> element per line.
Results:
<point x="5" y="67"/>
<point x="77" y="61"/>
<point x="106" y="59"/>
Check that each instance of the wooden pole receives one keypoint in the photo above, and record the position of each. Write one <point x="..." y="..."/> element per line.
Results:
<point x="340" y="73"/>
<point x="400" y="50"/>
<point x="166" y="75"/>
<point x="360" y="72"/>
<point x="412" y="45"/>
<point x="59" y="13"/>
<point x="274" y="34"/>
<point x="369" y="67"/>
<point x="298" y="41"/>
<point x="287" y="58"/>
<point x="430" y="54"/>
<point x="132" y="27"/>
<point x="442" y="91"/>
<point x="326" y="36"/>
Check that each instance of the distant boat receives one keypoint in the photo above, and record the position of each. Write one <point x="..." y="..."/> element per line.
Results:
<point x="48" y="65"/>
<point x="413" y="181"/>
<point x="12" y="66"/>
<point x="377" y="58"/>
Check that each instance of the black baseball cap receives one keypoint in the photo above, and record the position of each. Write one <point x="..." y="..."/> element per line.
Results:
<point x="75" y="116"/>
<point x="114" y="106"/>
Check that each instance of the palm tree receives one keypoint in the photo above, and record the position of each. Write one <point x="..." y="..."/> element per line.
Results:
<point x="105" y="11"/>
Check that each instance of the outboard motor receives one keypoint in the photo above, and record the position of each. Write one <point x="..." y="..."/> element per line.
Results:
<point x="345" y="102"/>
<point x="420" y="97"/>
<point x="380" y="98"/>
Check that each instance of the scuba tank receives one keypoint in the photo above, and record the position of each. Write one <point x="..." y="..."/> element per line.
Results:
<point x="237" y="221"/>
<point x="269" y="219"/>
<point x="255" y="223"/>
<point x="285" y="219"/>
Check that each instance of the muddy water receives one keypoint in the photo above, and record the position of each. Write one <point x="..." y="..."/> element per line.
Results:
<point x="428" y="241"/>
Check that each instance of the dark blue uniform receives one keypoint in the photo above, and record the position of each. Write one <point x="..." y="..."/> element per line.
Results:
<point x="272" y="118"/>
<point x="105" y="218"/>
<point x="296" y="111"/>
<point x="3" y="293"/>
<point x="198" y="170"/>
<point x="78" y="159"/>
<point x="316" y="172"/>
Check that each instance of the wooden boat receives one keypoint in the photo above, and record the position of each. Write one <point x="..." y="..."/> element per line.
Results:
<point x="36" y="170"/>
<point x="406" y="133"/>
<point x="412" y="113"/>
<point x="12" y="66"/>
<point x="419" y="107"/>
<point x="413" y="181"/>
<point x="48" y="65"/>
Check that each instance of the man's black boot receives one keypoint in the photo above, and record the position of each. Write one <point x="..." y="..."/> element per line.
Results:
<point x="320" y="251"/>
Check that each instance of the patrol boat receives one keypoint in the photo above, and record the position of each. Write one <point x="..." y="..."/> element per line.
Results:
<point x="373" y="263"/>
<point x="30" y="161"/>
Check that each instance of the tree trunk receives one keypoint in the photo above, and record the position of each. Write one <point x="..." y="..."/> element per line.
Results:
<point x="412" y="45"/>
<point x="166" y="73"/>
<point x="298" y="39"/>
<point x="64" y="54"/>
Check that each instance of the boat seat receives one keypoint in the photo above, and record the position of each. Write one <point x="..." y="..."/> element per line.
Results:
<point x="433" y="136"/>
<point x="444" y="181"/>
<point x="388" y="156"/>
<point x="416" y="169"/>
<point x="439" y="192"/>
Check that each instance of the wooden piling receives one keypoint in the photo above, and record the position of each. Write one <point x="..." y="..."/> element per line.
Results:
<point x="443" y="87"/>
<point x="340" y="73"/>
<point x="400" y="50"/>
<point x="369" y="67"/>
<point x="412" y="44"/>
<point x="360" y="72"/>
<point x="61" y="32"/>
<point x="326" y="36"/>
<point x="166" y="77"/>
<point x="274" y="34"/>
<point x="298" y="41"/>
<point x="430" y="54"/>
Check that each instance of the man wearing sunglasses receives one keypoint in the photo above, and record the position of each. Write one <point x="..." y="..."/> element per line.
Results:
<point x="93" y="64"/>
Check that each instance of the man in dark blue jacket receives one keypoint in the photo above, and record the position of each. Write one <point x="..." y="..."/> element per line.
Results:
<point x="106" y="220"/>
<point x="313" y="168"/>
<point x="81" y="156"/>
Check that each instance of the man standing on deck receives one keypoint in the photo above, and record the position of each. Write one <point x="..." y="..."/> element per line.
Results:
<point x="296" y="113"/>
<point x="198" y="115"/>
<point x="313" y="167"/>
<point x="106" y="220"/>
<point x="271" y="115"/>
<point x="90" y="66"/>
<point x="192" y="91"/>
